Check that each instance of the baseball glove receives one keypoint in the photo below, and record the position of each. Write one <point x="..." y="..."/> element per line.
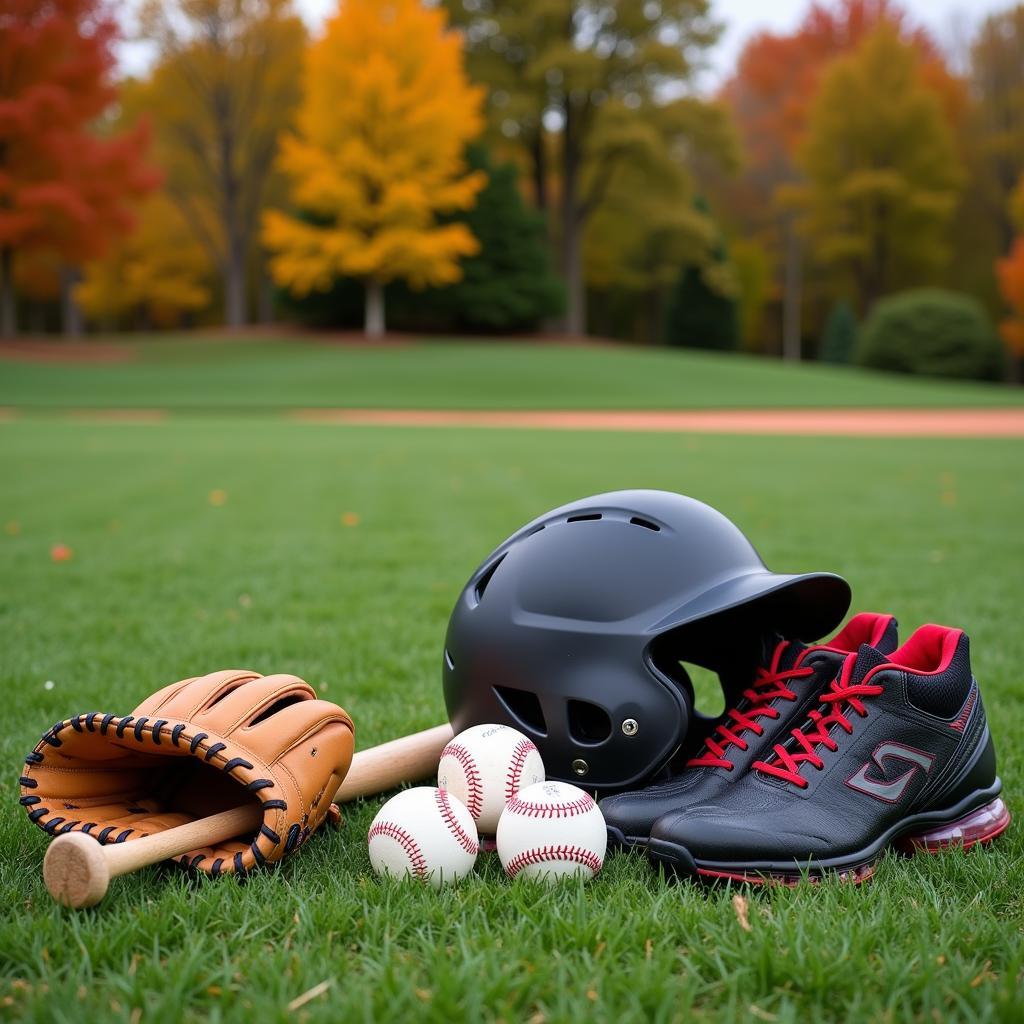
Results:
<point x="193" y="749"/>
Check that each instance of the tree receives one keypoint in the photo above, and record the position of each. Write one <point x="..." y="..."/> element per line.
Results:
<point x="771" y="95"/>
<point x="840" y="337"/>
<point x="594" y="69"/>
<point x="155" y="275"/>
<point x="509" y="284"/>
<point x="703" y="312"/>
<point x="225" y="87"/>
<point x="882" y="171"/>
<point x="386" y="114"/>
<point x="1010" y="276"/>
<point x="65" y="191"/>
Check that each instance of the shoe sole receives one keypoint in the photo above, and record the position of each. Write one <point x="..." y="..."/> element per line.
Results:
<point x="977" y="826"/>
<point x="616" y="837"/>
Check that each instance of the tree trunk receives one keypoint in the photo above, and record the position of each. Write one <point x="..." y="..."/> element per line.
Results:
<point x="572" y="227"/>
<point x="374" y="323"/>
<point x="70" y="311"/>
<point x="234" y="287"/>
<point x="540" y="170"/>
<point x="792" y="297"/>
<point x="8" y="316"/>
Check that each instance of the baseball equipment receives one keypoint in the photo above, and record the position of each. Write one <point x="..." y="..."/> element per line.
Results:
<point x="485" y="767"/>
<point x="573" y="630"/>
<point x="425" y="834"/>
<point x="193" y="749"/>
<point x="551" y="830"/>
<point x="77" y="869"/>
<point x="786" y="686"/>
<point x="897" y="754"/>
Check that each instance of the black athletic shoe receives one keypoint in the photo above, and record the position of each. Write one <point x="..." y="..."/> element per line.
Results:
<point x="898" y="754"/>
<point x="784" y="690"/>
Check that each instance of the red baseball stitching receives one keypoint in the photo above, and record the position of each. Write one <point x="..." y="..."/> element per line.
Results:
<point x="568" y="809"/>
<point x="405" y="841"/>
<point x="515" y="771"/>
<point x="466" y="841"/>
<point x="475" y="796"/>
<point x="541" y="854"/>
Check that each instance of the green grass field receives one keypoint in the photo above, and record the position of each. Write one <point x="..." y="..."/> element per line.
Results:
<point x="165" y="584"/>
<point x="266" y="374"/>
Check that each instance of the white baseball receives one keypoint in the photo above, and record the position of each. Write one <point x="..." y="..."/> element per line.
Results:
<point x="485" y="767"/>
<point x="426" y="834"/>
<point x="551" y="830"/>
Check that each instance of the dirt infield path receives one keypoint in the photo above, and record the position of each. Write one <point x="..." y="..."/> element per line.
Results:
<point x="799" y="422"/>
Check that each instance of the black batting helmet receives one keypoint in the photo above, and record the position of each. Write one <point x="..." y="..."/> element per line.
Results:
<point x="573" y="629"/>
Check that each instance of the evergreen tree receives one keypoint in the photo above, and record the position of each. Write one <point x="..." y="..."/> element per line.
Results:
<point x="509" y="285"/>
<point x="840" y="337"/>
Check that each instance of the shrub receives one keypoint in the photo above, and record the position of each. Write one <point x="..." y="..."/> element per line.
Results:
<point x="699" y="316"/>
<point x="931" y="331"/>
<point x="840" y="337"/>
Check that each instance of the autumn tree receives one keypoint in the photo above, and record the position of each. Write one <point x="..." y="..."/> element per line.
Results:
<point x="593" y="71"/>
<point x="65" y="191"/>
<point x="153" y="276"/>
<point x="386" y="114"/>
<point x="1010" y="276"/>
<point x="882" y="171"/>
<point x="771" y="95"/>
<point x="225" y="86"/>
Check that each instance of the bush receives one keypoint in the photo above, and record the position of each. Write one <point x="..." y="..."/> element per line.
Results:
<point x="699" y="316"/>
<point x="931" y="331"/>
<point x="840" y="337"/>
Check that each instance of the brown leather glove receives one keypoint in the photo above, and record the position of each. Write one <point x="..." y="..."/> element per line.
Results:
<point x="193" y="749"/>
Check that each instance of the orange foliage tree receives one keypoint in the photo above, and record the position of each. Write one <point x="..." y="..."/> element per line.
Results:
<point x="65" y="192"/>
<point x="382" y="129"/>
<point x="1010" y="275"/>
<point x="772" y="94"/>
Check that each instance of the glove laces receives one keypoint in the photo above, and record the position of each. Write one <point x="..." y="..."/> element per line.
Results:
<point x="769" y="685"/>
<point x="843" y="696"/>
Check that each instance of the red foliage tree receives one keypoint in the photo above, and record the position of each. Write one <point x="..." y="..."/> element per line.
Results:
<point x="65" y="191"/>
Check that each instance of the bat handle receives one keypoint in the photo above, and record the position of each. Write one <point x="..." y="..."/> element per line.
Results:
<point x="77" y="869"/>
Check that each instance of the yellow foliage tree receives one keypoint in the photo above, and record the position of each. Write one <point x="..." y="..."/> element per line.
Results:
<point x="156" y="274"/>
<point x="385" y="117"/>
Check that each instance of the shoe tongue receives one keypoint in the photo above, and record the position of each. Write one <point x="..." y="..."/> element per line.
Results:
<point x="868" y="658"/>
<point x="791" y="652"/>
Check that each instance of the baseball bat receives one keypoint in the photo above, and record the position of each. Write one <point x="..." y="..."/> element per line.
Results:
<point x="77" y="869"/>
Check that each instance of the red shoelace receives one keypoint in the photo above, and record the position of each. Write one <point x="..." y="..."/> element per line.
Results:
<point x="769" y="684"/>
<point x="843" y="696"/>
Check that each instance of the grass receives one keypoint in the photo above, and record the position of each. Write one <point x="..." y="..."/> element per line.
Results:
<point x="218" y="375"/>
<point x="164" y="584"/>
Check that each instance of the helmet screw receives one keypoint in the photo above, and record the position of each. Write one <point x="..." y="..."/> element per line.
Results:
<point x="580" y="767"/>
<point x="630" y="727"/>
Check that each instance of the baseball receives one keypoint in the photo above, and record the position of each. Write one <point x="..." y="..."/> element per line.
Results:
<point x="551" y="830"/>
<point x="485" y="767"/>
<point x="426" y="834"/>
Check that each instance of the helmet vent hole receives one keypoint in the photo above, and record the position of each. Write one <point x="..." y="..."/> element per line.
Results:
<point x="646" y="524"/>
<point x="588" y="518"/>
<point x="484" y="581"/>
<point x="524" y="707"/>
<point x="588" y="723"/>
<point x="708" y="698"/>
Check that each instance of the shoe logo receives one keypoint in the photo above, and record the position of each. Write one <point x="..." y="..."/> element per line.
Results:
<point x="884" y="789"/>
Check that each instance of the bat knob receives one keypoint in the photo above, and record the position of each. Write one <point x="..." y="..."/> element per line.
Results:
<point x="75" y="870"/>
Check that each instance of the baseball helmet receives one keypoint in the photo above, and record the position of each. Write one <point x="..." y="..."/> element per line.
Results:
<point x="574" y="629"/>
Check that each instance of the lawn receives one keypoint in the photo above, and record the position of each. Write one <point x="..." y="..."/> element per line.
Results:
<point x="166" y="583"/>
<point x="216" y="375"/>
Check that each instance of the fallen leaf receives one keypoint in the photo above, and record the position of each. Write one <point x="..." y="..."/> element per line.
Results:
<point x="13" y="528"/>
<point x="218" y="497"/>
<point x="309" y="995"/>
<point x="350" y="519"/>
<point x="741" y="905"/>
<point x="61" y="553"/>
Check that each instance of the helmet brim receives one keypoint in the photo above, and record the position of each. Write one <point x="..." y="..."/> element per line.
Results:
<point x="801" y="606"/>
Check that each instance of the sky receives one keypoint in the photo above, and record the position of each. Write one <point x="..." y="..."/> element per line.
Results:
<point x="951" y="23"/>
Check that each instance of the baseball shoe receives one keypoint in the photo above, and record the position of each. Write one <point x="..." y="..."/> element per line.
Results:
<point x="897" y="754"/>
<point x="785" y="688"/>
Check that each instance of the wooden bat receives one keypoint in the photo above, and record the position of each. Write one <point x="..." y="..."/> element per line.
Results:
<point x="77" y="869"/>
